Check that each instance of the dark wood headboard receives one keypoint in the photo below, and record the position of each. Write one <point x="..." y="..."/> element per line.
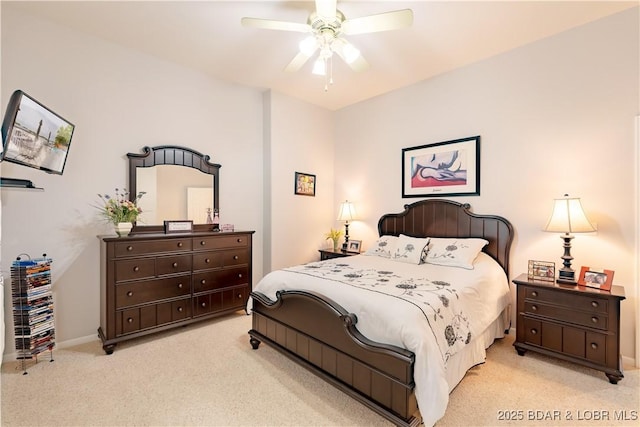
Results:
<point x="446" y="218"/>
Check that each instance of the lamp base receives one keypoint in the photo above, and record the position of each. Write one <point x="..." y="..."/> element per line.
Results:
<point x="567" y="277"/>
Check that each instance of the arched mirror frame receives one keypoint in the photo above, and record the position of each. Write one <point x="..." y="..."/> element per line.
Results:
<point x="172" y="155"/>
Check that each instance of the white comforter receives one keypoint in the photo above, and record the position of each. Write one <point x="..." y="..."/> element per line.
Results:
<point x="483" y="293"/>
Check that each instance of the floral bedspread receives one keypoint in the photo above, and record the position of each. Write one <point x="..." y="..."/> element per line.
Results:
<point x="437" y="299"/>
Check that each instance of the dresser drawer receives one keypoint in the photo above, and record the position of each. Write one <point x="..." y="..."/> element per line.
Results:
<point x="220" y="242"/>
<point x="135" y="269"/>
<point x="235" y="297"/>
<point x="210" y="280"/>
<point x="583" y="318"/>
<point x="133" y="248"/>
<point x="138" y="319"/>
<point x="221" y="258"/>
<point x="572" y="301"/>
<point x="129" y="294"/>
<point x="173" y="264"/>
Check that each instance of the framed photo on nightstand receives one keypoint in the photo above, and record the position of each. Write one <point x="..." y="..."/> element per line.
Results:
<point x="541" y="270"/>
<point x="354" y="246"/>
<point x="596" y="278"/>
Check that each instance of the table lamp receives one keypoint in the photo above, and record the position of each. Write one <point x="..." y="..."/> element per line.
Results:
<point x="347" y="213"/>
<point x="568" y="217"/>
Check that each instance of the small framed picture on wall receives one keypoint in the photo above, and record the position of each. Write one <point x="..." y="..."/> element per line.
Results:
<point x="305" y="184"/>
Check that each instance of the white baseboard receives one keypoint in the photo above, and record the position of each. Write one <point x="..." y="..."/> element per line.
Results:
<point x="12" y="357"/>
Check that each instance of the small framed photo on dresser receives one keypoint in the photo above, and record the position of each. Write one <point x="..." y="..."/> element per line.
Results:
<point x="354" y="246"/>
<point x="541" y="270"/>
<point x="598" y="278"/>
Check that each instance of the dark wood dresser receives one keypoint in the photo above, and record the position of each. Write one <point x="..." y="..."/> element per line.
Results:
<point x="573" y="323"/>
<point x="154" y="282"/>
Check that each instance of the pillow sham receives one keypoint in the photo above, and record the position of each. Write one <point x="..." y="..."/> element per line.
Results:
<point x="384" y="247"/>
<point x="410" y="249"/>
<point x="454" y="252"/>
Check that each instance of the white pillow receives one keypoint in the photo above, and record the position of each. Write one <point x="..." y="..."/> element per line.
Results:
<point x="454" y="252"/>
<point x="383" y="247"/>
<point x="410" y="249"/>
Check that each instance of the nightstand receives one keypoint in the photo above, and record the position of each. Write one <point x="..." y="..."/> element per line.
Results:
<point x="330" y="253"/>
<point x="573" y="323"/>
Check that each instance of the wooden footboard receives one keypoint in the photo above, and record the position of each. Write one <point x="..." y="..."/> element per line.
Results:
<point x="322" y="336"/>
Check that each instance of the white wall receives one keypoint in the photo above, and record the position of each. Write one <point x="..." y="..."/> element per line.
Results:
<point x="299" y="139"/>
<point x="120" y="101"/>
<point x="555" y="117"/>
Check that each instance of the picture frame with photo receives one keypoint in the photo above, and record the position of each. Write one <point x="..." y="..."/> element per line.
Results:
<point x="598" y="278"/>
<point x="354" y="246"/>
<point x="305" y="184"/>
<point x="544" y="271"/>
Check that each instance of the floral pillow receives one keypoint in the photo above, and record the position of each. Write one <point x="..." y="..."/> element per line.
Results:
<point x="454" y="252"/>
<point x="384" y="247"/>
<point x="410" y="249"/>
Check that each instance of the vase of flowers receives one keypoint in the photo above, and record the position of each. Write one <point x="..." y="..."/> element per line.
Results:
<point x="335" y="236"/>
<point x="120" y="211"/>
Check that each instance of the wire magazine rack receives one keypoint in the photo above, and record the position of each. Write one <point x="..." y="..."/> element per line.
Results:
<point x="32" y="300"/>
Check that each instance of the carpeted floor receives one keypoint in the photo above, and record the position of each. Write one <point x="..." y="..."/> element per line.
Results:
<point x="206" y="374"/>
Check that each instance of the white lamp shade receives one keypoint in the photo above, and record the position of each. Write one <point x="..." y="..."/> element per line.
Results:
<point x="347" y="211"/>
<point x="568" y="217"/>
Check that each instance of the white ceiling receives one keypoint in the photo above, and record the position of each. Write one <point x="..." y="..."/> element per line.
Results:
<point x="207" y="35"/>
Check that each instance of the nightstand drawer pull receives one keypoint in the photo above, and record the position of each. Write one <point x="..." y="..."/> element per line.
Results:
<point x="534" y="331"/>
<point x="130" y="320"/>
<point x="239" y="240"/>
<point x="236" y="257"/>
<point x="136" y="268"/>
<point x="207" y="260"/>
<point x="204" y="304"/>
<point x="202" y="243"/>
<point x="239" y="275"/>
<point x="534" y="294"/>
<point x="594" y="304"/>
<point x="179" y="285"/>
<point x="179" y="309"/>
<point x="129" y="294"/>
<point x="203" y="281"/>
<point x="174" y="265"/>
<point x="534" y="308"/>
<point x="594" y="319"/>
<point x="594" y="346"/>
<point x="179" y="244"/>
<point x="129" y="248"/>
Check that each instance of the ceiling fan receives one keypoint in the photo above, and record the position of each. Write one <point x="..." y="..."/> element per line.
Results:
<point x="326" y="27"/>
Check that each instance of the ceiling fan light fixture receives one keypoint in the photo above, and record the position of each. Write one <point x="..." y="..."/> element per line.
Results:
<point x="350" y="53"/>
<point x="319" y="67"/>
<point x="308" y="45"/>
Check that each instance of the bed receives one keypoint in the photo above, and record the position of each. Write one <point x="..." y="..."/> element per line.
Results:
<point x="398" y="354"/>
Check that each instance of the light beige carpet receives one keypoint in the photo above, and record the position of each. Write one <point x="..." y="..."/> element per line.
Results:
<point x="207" y="375"/>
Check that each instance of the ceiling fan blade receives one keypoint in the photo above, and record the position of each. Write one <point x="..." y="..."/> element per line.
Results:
<point x="269" y="24"/>
<point x="326" y="8"/>
<point x="349" y="54"/>
<point x="380" y="22"/>
<point x="297" y="62"/>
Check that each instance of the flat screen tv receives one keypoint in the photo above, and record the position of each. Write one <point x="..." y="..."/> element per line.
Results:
<point x="35" y="136"/>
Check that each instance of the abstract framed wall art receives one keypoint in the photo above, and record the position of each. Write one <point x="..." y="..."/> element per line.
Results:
<point x="449" y="168"/>
<point x="305" y="184"/>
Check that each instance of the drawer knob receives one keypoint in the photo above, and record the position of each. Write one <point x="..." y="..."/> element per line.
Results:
<point x="534" y="294"/>
<point x="180" y="244"/>
<point x="534" y="331"/>
<point x="207" y="260"/>
<point x="594" y="304"/>
<point x="202" y="242"/>
<point x="179" y="285"/>
<point x="175" y="264"/>
<point x="239" y="296"/>
<point x="129" y="294"/>
<point x="136" y="268"/>
<point x="204" y="304"/>
<point x="594" y="319"/>
<point x="239" y="240"/>
<point x="179" y="309"/>
<point x="236" y="257"/>
<point x="240" y="275"/>
<point x="130" y="320"/>
<point x="129" y="248"/>
<point x="203" y="281"/>
<point x="534" y="308"/>
<point x="594" y="346"/>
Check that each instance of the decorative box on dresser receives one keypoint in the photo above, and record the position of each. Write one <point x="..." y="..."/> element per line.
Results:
<point x="154" y="282"/>
<point x="574" y="323"/>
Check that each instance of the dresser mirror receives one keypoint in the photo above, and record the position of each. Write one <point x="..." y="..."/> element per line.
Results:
<point x="180" y="184"/>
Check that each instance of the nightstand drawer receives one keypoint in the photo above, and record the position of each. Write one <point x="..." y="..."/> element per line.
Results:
<point x="583" y="318"/>
<point x="572" y="301"/>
